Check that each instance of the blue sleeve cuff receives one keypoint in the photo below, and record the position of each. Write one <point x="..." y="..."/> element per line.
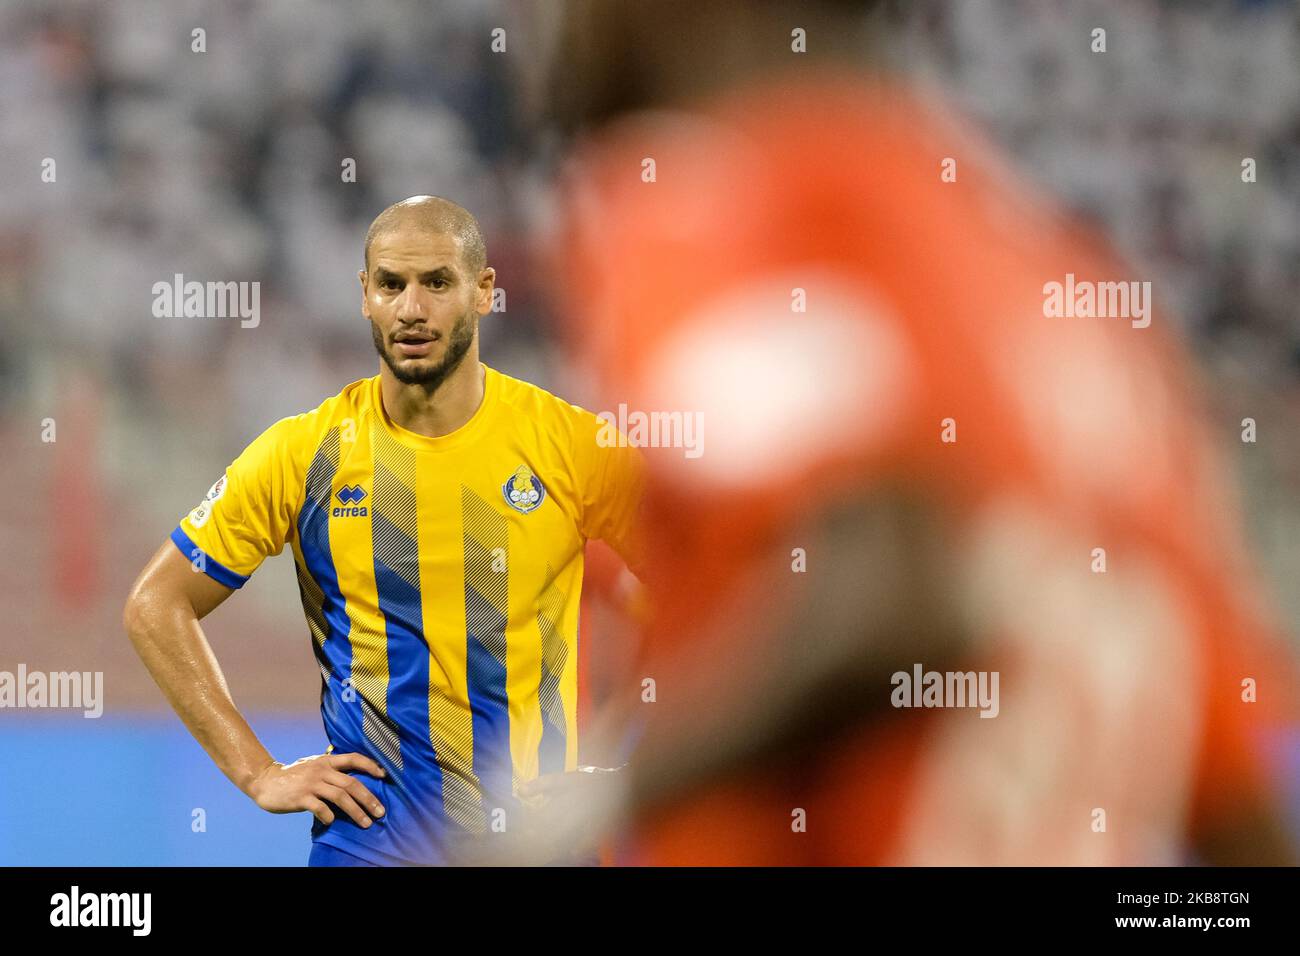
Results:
<point x="211" y="567"/>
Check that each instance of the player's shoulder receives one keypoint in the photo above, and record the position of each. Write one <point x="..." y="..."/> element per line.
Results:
<point x="548" y="410"/>
<point x="354" y="402"/>
<point x="304" y="433"/>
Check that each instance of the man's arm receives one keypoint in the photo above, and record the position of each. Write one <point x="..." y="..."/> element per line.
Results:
<point x="887" y="593"/>
<point x="793" y="660"/>
<point x="817" y="649"/>
<point x="162" y="617"/>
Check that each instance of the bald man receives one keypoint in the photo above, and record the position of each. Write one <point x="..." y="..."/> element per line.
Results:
<point x="437" y="514"/>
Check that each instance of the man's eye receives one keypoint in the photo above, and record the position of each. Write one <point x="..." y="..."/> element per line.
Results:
<point x="388" y="284"/>
<point x="438" y="283"/>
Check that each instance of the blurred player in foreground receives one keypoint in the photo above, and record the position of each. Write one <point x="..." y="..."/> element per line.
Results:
<point x="913" y="465"/>
<point x="438" y="514"/>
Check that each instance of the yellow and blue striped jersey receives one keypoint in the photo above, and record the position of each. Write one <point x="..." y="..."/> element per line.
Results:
<point x="440" y="578"/>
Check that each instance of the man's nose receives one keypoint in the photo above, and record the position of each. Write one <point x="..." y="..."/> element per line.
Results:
<point x="413" y="302"/>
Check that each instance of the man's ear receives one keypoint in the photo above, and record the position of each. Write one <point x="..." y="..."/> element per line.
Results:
<point x="486" y="283"/>
<point x="365" y="305"/>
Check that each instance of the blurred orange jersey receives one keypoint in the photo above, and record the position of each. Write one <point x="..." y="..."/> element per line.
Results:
<point x="843" y="289"/>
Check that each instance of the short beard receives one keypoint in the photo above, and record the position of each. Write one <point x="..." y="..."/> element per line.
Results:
<point x="458" y="343"/>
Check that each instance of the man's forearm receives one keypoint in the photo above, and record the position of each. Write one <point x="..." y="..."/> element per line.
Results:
<point x="171" y="643"/>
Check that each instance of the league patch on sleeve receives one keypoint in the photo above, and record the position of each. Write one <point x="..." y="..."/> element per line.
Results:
<point x="200" y="515"/>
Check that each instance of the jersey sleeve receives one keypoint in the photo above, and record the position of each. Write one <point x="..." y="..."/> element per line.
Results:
<point x="1250" y="711"/>
<point x="247" y="514"/>
<point x="612" y="479"/>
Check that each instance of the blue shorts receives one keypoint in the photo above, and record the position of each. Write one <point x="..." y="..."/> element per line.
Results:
<point x="322" y="854"/>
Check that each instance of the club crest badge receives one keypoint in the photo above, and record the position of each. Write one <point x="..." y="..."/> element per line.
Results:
<point x="523" y="491"/>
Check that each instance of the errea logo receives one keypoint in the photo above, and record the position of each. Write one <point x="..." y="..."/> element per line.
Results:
<point x="350" y="496"/>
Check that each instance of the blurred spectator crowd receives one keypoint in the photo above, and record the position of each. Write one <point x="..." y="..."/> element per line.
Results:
<point x="227" y="165"/>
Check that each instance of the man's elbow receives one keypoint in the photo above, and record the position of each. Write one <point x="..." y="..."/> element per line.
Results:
<point x="145" y="605"/>
<point x="135" y="613"/>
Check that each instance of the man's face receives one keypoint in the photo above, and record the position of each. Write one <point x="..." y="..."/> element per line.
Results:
<point x="423" y="303"/>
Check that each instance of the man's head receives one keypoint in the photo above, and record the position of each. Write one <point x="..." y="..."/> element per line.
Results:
<point x="616" y="58"/>
<point x="424" y="285"/>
